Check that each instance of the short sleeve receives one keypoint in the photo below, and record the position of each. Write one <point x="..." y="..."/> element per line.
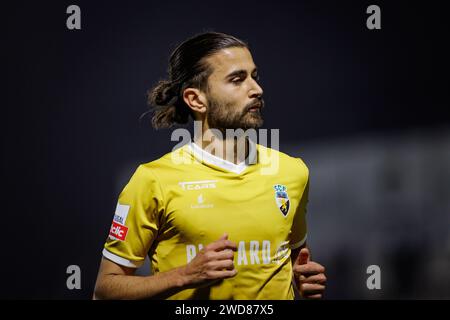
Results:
<point x="136" y="220"/>
<point x="299" y="229"/>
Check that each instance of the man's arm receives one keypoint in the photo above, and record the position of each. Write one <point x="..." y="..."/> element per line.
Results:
<point x="118" y="282"/>
<point x="212" y="263"/>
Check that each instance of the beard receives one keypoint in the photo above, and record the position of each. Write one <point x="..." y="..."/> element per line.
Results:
<point x="224" y="116"/>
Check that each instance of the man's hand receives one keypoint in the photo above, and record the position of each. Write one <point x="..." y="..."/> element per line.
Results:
<point x="214" y="262"/>
<point x="309" y="276"/>
<point x="211" y="264"/>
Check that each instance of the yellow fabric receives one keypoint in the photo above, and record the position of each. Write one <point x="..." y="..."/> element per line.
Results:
<point x="174" y="209"/>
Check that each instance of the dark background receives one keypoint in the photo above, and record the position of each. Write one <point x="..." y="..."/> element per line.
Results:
<point x="367" y="110"/>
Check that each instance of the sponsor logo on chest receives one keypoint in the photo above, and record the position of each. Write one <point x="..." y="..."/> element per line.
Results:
<point x="198" y="185"/>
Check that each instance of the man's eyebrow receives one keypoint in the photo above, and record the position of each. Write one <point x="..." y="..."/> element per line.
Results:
<point x="239" y="73"/>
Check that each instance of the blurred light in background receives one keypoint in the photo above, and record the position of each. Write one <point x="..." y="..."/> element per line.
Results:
<point x="384" y="200"/>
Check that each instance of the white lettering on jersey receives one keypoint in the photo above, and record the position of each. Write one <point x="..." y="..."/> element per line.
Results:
<point x="266" y="251"/>
<point x="254" y="247"/>
<point x="257" y="256"/>
<point x="191" y="251"/>
<point x="242" y="256"/>
<point x="198" y="185"/>
<point x="200" y="203"/>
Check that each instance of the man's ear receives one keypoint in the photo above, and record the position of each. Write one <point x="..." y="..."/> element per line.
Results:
<point x="195" y="99"/>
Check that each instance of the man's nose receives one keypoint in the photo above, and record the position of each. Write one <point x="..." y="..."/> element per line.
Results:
<point x="256" y="90"/>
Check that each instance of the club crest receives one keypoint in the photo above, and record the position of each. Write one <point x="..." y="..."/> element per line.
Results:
<point x="282" y="198"/>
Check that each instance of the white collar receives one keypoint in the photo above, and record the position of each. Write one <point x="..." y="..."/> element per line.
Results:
<point x="203" y="155"/>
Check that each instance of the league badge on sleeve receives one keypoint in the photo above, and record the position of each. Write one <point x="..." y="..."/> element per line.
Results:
<point x="118" y="229"/>
<point x="282" y="198"/>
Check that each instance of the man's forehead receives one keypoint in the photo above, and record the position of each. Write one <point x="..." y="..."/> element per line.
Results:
<point x="230" y="59"/>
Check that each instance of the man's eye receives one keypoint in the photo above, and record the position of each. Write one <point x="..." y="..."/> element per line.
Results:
<point x="256" y="77"/>
<point x="236" y="80"/>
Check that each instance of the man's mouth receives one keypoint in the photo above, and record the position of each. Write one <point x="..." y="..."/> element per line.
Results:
<point x="255" y="108"/>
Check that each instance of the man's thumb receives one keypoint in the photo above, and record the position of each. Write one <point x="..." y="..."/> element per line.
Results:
<point x="224" y="237"/>
<point x="303" y="256"/>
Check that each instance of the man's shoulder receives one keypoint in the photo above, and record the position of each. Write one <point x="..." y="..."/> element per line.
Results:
<point x="287" y="161"/>
<point x="165" y="164"/>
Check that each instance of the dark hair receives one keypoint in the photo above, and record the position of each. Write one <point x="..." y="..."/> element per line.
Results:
<point x="187" y="68"/>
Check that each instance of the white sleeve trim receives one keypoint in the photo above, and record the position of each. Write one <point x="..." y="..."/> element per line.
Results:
<point x="298" y="244"/>
<point x="122" y="261"/>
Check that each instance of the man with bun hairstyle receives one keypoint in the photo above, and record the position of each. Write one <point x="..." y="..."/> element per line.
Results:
<point x="216" y="217"/>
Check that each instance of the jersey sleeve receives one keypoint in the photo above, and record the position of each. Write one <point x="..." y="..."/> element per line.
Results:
<point x="299" y="229"/>
<point x="136" y="220"/>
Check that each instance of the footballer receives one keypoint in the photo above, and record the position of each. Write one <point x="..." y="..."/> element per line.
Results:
<point x="213" y="218"/>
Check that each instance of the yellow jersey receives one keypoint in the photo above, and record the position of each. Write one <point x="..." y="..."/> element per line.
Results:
<point x="174" y="206"/>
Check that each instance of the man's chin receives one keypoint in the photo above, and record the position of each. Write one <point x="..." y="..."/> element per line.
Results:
<point x="253" y="122"/>
<point x="256" y="122"/>
<point x="252" y="125"/>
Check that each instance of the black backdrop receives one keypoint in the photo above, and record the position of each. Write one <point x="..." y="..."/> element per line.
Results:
<point x="71" y="133"/>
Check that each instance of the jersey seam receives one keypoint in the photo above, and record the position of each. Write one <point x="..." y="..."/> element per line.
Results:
<point x="307" y="181"/>
<point x="158" y="180"/>
<point x="306" y="210"/>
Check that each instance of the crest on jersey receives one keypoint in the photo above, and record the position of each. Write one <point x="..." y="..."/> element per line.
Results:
<point x="282" y="198"/>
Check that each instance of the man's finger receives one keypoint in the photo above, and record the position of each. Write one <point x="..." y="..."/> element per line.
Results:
<point x="314" y="296"/>
<point x="303" y="256"/>
<point x="317" y="278"/>
<point x="312" y="288"/>
<point x="223" y="264"/>
<point x="224" y="236"/>
<point x="222" y="244"/>
<point x="224" y="254"/>
<point x="309" y="269"/>
<point x="222" y="274"/>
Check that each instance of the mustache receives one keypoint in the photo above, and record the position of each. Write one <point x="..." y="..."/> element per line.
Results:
<point x="259" y="102"/>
